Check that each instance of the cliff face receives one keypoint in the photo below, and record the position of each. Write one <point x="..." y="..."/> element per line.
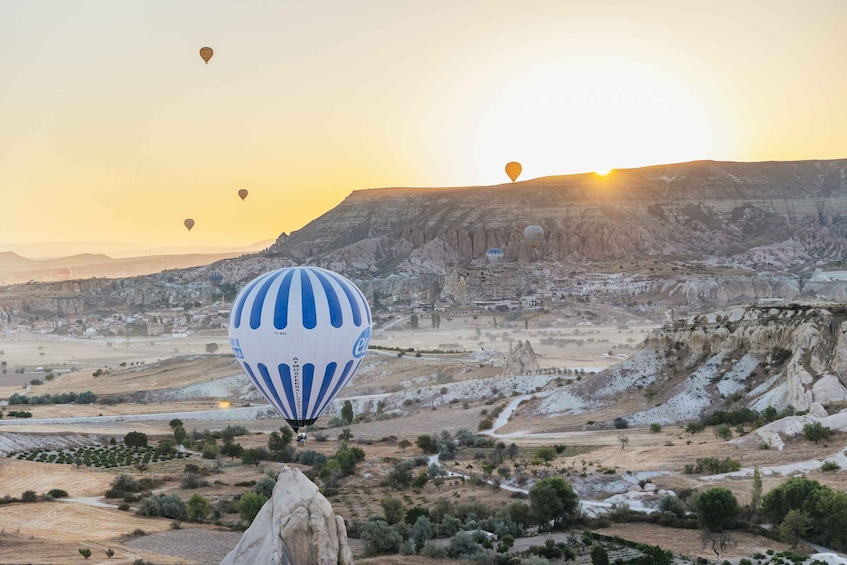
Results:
<point x="757" y="356"/>
<point x="784" y="213"/>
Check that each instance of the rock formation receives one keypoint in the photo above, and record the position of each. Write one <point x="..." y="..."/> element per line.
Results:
<point x="521" y="359"/>
<point x="295" y="527"/>
<point x="758" y="356"/>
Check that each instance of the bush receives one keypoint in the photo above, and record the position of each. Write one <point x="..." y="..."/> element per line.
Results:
<point x="830" y="466"/>
<point x="265" y="487"/>
<point x="816" y="432"/>
<point x="249" y="505"/>
<point x="135" y="439"/>
<point x="620" y="423"/>
<point x="380" y="538"/>
<point x="57" y="493"/>
<point x="29" y="496"/>
<point x="192" y="481"/>
<point x="655" y="428"/>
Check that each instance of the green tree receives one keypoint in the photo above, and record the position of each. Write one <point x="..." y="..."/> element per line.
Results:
<point x="427" y="443"/>
<point x="250" y="504"/>
<point x="553" y="501"/>
<point x="756" y="498"/>
<point x="393" y="509"/>
<point x="278" y="441"/>
<point x="717" y="509"/>
<point x="110" y="553"/>
<point x="85" y="552"/>
<point x="380" y="538"/>
<point x="232" y="450"/>
<point x="599" y="555"/>
<point x="421" y="531"/>
<point x="723" y="431"/>
<point x="347" y="412"/>
<point x="252" y="456"/>
<point x="794" y="527"/>
<point x="694" y="427"/>
<point x="198" y="507"/>
<point x="135" y="439"/>
<point x="403" y="444"/>
<point x="796" y="493"/>
<point x="816" y="431"/>
<point x="546" y="453"/>
<point x="211" y="347"/>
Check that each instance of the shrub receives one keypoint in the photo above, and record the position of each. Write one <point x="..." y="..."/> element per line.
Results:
<point x="29" y="496"/>
<point x="380" y="538"/>
<point x="135" y="439"/>
<point x="655" y="428"/>
<point x="250" y="504"/>
<point x="816" y="431"/>
<point x="830" y="466"/>
<point x="57" y="493"/>
<point x="192" y="481"/>
<point x="620" y="423"/>
<point x="85" y="552"/>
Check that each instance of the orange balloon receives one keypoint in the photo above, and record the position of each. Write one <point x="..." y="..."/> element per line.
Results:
<point x="242" y="193"/>
<point x="513" y="169"/>
<point x="188" y="223"/>
<point x="206" y="53"/>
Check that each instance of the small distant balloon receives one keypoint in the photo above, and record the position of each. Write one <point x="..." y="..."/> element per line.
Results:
<point x="242" y="194"/>
<point x="206" y="53"/>
<point x="224" y="404"/>
<point x="533" y="235"/>
<point x="495" y="255"/>
<point x="513" y="169"/>
<point x="188" y="223"/>
<point x="216" y="277"/>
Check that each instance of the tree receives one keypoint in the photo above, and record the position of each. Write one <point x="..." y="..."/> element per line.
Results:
<point x="546" y="454"/>
<point x="380" y="537"/>
<point x="717" y="509"/>
<point x="135" y="439"/>
<point x="421" y="531"/>
<point x="393" y="509"/>
<point x="347" y="412"/>
<point x="624" y="440"/>
<point x="816" y="431"/>
<point x="249" y="505"/>
<point x="232" y="450"/>
<point x="723" y="431"/>
<point x="794" y="527"/>
<point x="553" y="500"/>
<point x="211" y="347"/>
<point x="427" y="443"/>
<point x="252" y="456"/>
<point x="278" y="441"/>
<point x="403" y="444"/>
<point x="756" y="498"/>
<point x="694" y="427"/>
<point x="198" y="507"/>
<point x="414" y="321"/>
<point x="110" y="553"/>
<point x="599" y="555"/>
<point x="85" y="552"/>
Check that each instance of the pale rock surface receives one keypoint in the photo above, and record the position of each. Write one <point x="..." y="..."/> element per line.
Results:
<point x="521" y="360"/>
<point x="296" y="526"/>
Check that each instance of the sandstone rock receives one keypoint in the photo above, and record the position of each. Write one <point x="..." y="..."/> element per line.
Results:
<point x="295" y="527"/>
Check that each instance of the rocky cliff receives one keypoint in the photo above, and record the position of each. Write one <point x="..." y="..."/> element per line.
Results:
<point x="756" y="356"/>
<point x="785" y="213"/>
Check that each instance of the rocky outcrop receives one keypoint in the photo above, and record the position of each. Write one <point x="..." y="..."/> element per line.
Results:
<point x="295" y="527"/>
<point x="758" y="356"/>
<point x="521" y="359"/>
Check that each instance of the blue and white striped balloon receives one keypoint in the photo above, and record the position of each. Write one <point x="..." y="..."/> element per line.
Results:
<point x="300" y="333"/>
<point x="495" y="255"/>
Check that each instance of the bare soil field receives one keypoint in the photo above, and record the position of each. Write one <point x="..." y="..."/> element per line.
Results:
<point x="18" y="476"/>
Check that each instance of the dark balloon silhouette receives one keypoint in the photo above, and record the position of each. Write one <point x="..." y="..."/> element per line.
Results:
<point x="206" y="53"/>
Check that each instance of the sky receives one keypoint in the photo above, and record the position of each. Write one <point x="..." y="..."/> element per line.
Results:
<point x="112" y="128"/>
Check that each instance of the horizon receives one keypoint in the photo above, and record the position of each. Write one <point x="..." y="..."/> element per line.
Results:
<point x="119" y="138"/>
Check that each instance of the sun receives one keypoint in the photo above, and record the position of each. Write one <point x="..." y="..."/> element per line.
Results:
<point x="603" y="171"/>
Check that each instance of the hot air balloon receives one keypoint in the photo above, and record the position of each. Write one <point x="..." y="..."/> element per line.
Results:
<point x="206" y="53"/>
<point x="242" y="193"/>
<point x="300" y="333"/>
<point x="495" y="255"/>
<point x="513" y="169"/>
<point x="216" y="277"/>
<point x="533" y="235"/>
<point x="188" y="223"/>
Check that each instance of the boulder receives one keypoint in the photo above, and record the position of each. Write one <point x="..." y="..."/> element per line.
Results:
<point x="295" y="527"/>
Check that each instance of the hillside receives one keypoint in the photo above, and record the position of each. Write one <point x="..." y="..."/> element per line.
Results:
<point x="754" y="357"/>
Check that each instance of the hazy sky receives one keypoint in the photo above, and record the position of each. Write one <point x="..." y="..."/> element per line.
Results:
<point x="113" y="129"/>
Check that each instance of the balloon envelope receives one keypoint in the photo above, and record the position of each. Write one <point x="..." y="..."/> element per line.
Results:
<point x="242" y="193"/>
<point x="216" y="277"/>
<point x="533" y="235"/>
<point x="300" y="333"/>
<point x="206" y="53"/>
<point x="513" y="169"/>
<point x="495" y="255"/>
<point x="188" y="223"/>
